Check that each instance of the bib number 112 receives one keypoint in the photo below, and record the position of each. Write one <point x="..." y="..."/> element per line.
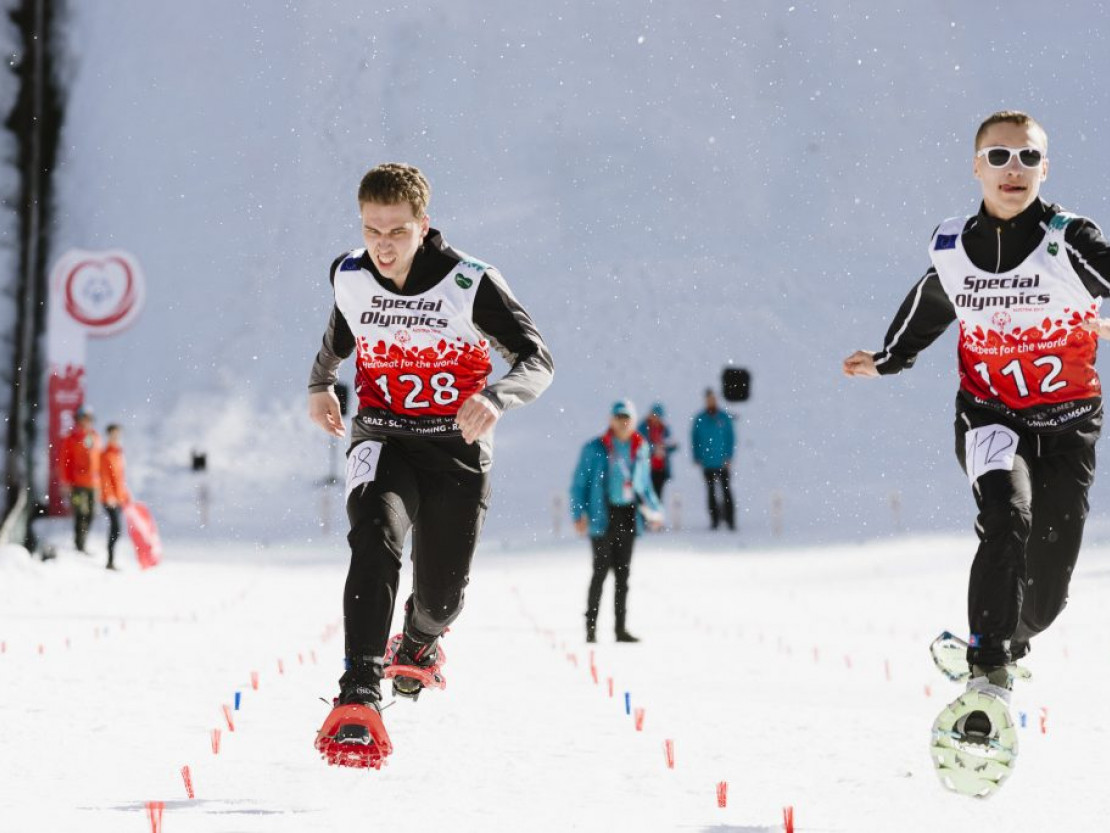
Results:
<point x="1049" y="383"/>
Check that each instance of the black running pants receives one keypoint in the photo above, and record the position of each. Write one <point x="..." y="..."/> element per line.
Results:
<point x="444" y="509"/>
<point x="1030" y="527"/>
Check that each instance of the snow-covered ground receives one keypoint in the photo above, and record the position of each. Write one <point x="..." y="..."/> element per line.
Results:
<point x="800" y="677"/>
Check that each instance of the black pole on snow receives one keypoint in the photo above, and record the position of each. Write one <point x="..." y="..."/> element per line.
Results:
<point x="35" y="122"/>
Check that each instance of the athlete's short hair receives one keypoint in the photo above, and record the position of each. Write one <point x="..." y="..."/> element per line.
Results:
<point x="1008" y="117"/>
<point x="395" y="182"/>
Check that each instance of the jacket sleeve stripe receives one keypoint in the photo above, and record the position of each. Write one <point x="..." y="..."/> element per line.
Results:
<point x="889" y="346"/>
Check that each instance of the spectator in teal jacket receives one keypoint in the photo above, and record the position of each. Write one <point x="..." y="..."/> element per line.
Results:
<point x="713" y="442"/>
<point x="610" y="497"/>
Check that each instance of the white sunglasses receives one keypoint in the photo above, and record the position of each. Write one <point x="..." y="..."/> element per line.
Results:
<point x="999" y="156"/>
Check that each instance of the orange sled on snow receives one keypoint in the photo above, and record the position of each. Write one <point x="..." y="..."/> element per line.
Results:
<point x="354" y="736"/>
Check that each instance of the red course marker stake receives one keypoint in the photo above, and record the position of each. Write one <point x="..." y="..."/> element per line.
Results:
<point x="227" y="716"/>
<point x="187" y="777"/>
<point x="638" y="716"/>
<point x="215" y="741"/>
<point x="610" y="686"/>
<point x="788" y="818"/>
<point x="281" y="667"/>
<point x="254" y="680"/>
<point x="722" y="793"/>
<point x="668" y="752"/>
<point x="154" y="809"/>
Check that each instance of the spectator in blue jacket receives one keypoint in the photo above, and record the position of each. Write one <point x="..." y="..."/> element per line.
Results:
<point x="713" y="442"/>
<point x="658" y="435"/>
<point x="610" y="498"/>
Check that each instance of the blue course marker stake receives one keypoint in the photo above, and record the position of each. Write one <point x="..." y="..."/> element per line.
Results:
<point x="1022" y="716"/>
<point x="627" y="703"/>
<point x="237" y="696"/>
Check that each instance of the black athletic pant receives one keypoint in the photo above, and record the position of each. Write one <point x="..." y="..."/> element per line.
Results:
<point x="658" y="479"/>
<point x="82" y="501"/>
<point x="1030" y="526"/>
<point x="114" y="527"/>
<point x="613" y="551"/>
<point x="724" y="511"/>
<point x="414" y="488"/>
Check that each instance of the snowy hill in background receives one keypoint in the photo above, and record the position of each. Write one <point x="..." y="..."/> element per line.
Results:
<point x="667" y="187"/>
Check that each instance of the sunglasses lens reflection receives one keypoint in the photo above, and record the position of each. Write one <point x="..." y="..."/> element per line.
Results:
<point x="1030" y="157"/>
<point x="1000" y="157"/>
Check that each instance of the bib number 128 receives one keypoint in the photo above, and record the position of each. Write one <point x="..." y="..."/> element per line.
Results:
<point x="443" y="390"/>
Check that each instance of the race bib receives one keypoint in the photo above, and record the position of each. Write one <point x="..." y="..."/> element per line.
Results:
<point x="362" y="464"/>
<point x="989" y="448"/>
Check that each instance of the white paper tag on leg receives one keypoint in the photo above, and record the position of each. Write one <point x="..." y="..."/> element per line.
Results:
<point x="989" y="448"/>
<point x="362" y="464"/>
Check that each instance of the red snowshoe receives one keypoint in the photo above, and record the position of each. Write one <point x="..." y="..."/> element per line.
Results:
<point x="414" y="667"/>
<point x="354" y="736"/>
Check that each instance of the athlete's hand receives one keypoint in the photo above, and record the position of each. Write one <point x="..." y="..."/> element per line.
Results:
<point x="476" y="416"/>
<point x="1098" y="326"/>
<point x="582" y="525"/>
<point x="323" y="409"/>
<point x="860" y="363"/>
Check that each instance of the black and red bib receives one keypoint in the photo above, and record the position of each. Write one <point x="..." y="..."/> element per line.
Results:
<point x="1020" y="340"/>
<point x="419" y="355"/>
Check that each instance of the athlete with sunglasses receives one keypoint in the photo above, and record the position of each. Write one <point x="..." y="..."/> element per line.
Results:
<point x="1025" y="280"/>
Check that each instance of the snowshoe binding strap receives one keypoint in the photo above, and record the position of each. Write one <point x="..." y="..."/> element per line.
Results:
<point x="354" y="736"/>
<point x="427" y="678"/>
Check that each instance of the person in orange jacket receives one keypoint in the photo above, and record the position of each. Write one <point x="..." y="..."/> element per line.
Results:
<point x="79" y="471"/>
<point x="113" y="488"/>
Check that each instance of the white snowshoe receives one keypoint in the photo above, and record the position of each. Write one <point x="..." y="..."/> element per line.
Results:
<point x="949" y="654"/>
<point x="974" y="742"/>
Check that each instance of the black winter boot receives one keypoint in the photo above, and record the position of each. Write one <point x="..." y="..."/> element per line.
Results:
<point x="404" y="650"/>
<point x="361" y="683"/>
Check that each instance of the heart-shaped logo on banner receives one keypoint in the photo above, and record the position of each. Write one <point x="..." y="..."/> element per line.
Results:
<point x="103" y="293"/>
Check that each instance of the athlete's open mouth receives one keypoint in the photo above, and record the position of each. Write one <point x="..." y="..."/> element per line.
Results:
<point x="1011" y="189"/>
